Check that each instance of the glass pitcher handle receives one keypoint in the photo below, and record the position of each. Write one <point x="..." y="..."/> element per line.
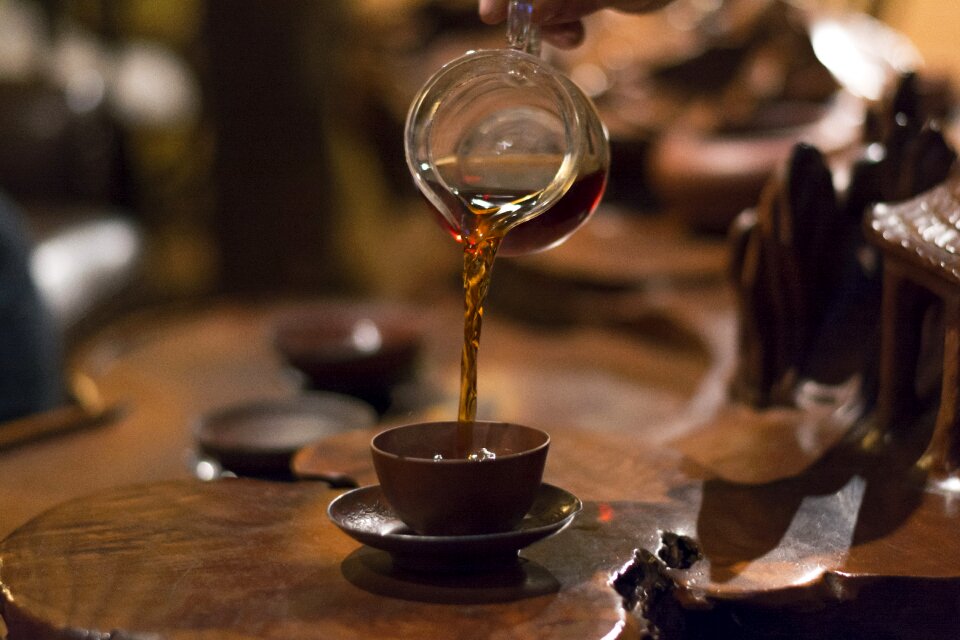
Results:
<point x="522" y="33"/>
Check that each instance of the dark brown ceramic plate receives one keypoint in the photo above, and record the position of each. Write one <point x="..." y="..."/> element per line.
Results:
<point x="259" y="438"/>
<point x="364" y="515"/>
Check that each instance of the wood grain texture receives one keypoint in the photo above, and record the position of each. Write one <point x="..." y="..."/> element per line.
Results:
<point x="251" y="559"/>
<point x="824" y="552"/>
<point x="818" y="547"/>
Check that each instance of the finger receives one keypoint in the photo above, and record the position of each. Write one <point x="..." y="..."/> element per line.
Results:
<point x="544" y="11"/>
<point x="566" y="35"/>
<point x="493" y="11"/>
<point x="557" y="11"/>
<point x="640" y="6"/>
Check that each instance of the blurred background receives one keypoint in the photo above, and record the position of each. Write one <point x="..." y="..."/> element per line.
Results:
<point x="167" y="151"/>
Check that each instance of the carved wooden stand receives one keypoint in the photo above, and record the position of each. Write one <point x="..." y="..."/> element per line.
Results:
<point x="920" y="241"/>
<point x="860" y="541"/>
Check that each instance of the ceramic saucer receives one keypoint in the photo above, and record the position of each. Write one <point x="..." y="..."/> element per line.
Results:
<point x="259" y="438"/>
<point x="366" y="516"/>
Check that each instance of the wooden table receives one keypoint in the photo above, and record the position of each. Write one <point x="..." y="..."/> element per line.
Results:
<point x="626" y="402"/>
<point x="165" y="369"/>
<point x="249" y="559"/>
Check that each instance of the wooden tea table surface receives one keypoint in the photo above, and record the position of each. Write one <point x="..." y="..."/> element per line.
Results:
<point x="163" y="369"/>
<point x="108" y="535"/>
<point x="129" y="542"/>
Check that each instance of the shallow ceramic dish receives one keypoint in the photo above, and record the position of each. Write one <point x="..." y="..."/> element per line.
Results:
<point x="360" y="349"/>
<point x="259" y="438"/>
<point x="366" y="516"/>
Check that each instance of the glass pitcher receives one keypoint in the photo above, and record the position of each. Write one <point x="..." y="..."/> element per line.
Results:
<point x="498" y="141"/>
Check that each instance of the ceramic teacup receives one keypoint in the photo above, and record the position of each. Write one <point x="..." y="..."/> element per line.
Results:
<point x="440" y="479"/>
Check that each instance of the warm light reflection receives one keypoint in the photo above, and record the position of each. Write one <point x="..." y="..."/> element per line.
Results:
<point x="85" y="91"/>
<point x="605" y="512"/>
<point x="949" y="488"/>
<point x="838" y="51"/>
<point x="207" y="470"/>
<point x="951" y="484"/>
<point x="152" y="87"/>
<point x="617" y="632"/>
<point x="77" y="263"/>
<point x="366" y="336"/>
<point x="810" y="575"/>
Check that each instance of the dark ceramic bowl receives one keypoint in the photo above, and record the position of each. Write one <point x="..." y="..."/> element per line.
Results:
<point x="362" y="350"/>
<point x="706" y="179"/>
<point x="260" y="438"/>
<point x="455" y="495"/>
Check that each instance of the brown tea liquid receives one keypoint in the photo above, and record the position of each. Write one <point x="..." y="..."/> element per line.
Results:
<point x="486" y="185"/>
<point x="483" y="189"/>
<point x="477" y="267"/>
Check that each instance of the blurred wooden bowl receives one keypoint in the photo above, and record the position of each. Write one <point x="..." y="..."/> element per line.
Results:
<point x="707" y="179"/>
<point x="359" y="349"/>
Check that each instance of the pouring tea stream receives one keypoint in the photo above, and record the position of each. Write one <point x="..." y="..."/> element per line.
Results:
<point x="513" y="158"/>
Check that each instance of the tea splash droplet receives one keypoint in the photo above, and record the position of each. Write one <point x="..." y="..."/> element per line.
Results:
<point x="483" y="454"/>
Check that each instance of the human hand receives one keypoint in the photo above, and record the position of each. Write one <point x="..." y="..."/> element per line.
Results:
<point x="560" y="20"/>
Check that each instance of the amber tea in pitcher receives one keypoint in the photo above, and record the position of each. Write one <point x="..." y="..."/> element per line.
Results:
<point x="513" y="158"/>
